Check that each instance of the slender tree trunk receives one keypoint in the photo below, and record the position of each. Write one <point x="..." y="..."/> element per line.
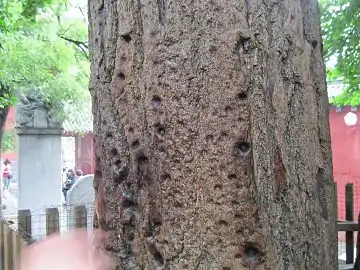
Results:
<point x="4" y="110"/>
<point x="211" y="134"/>
<point x="3" y="114"/>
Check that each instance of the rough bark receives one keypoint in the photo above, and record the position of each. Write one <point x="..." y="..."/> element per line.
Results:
<point x="212" y="139"/>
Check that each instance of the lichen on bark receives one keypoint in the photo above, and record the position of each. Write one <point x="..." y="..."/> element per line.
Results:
<point x="211" y="134"/>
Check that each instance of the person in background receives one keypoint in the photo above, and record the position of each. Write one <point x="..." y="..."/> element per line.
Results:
<point x="70" y="181"/>
<point x="6" y="174"/>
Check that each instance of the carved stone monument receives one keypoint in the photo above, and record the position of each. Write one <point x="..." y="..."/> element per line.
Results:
<point x="81" y="193"/>
<point x="39" y="156"/>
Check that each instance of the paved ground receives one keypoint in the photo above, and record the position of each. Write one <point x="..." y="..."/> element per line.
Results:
<point x="10" y="203"/>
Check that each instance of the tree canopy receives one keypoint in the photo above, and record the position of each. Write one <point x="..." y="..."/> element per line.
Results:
<point x="43" y="46"/>
<point x="341" y="32"/>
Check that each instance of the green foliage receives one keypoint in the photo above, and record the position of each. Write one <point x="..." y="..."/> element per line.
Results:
<point x="6" y="100"/>
<point x="45" y="54"/>
<point x="14" y="14"/>
<point x="8" y="141"/>
<point x="341" y="32"/>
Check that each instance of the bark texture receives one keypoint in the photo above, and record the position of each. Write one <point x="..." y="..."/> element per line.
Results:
<point x="211" y="134"/>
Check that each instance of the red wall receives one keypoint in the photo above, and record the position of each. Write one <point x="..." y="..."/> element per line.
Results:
<point x="345" y="143"/>
<point x="84" y="154"/>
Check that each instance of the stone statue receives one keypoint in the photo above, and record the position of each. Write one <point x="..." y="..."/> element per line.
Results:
<point x="32" y="112"/>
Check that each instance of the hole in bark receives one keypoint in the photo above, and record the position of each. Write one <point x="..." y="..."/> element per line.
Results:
<point x="131" y="130"/>
<point x="209" y="138"/>
<point x="165" y="177"/>
<point x="142" y="159"/>
<point x="135" y="144"/>
<point x="156" y="101"/>
<point x="130" y="236"/>
<point x="117" y="162"/>
<point x="238" y="256"/>
<point x="158" y="258"/>
<point x="142" y="166"/>
<point x="165" y="242"/>
<point x="178" y="204"/>
<point x="121" y="76"/>
<point x="223" y="223"/>
<point x="314" y="44"/>
<point x="252" y="255"/>
<point x="239" y="215"/>
<point x="126" y="37"/>
<point x="232" y="176"/>
<point x="235" y="202"/>
<point x="212" y="49"/>
<point x="109" y="135"/>
<point x="223" y="134"/>
<point x="228" y="109"/>
<point x="241" y="148"/>
<point x="161" y="130"/>
<point x="127" y="203"/>
<point x="114" y="152"/>
<point x="242" y="96"/>
<point x="217" y="187"/>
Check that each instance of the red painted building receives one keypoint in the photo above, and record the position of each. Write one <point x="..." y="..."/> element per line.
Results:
<point x="345" y="143"/>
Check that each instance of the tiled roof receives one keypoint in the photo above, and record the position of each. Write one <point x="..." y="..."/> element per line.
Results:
<point x="80" y="122"/>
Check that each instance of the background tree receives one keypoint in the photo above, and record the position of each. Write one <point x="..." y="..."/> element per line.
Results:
<point x="43" y="51"/>
<point x="211" y="134"/>
<point x="341" y="32"/>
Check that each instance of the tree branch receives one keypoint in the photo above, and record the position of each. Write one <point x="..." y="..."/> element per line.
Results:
<point x="80" y="44"/>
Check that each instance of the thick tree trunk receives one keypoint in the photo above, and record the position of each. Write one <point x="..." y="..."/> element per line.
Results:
<point x="211" y="134"/>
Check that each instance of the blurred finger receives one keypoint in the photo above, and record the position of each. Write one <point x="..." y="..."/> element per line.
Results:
<point x="66" y="252"/>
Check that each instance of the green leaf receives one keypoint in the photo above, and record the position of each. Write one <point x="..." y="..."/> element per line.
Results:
<point x="340" y="23"/>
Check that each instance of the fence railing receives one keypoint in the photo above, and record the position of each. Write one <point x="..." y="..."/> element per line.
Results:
<point x="350" y="227"/>
<point x="13" y="238"/>
<point x="11" y="243"/>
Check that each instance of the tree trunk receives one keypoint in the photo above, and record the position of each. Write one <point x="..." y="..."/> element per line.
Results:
<point x="4" y="110"/>
<point x="3" y="115"/>
<point x="212" y="140"/>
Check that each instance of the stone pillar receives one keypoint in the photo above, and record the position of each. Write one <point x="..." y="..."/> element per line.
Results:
<point x="39" y="159"/>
